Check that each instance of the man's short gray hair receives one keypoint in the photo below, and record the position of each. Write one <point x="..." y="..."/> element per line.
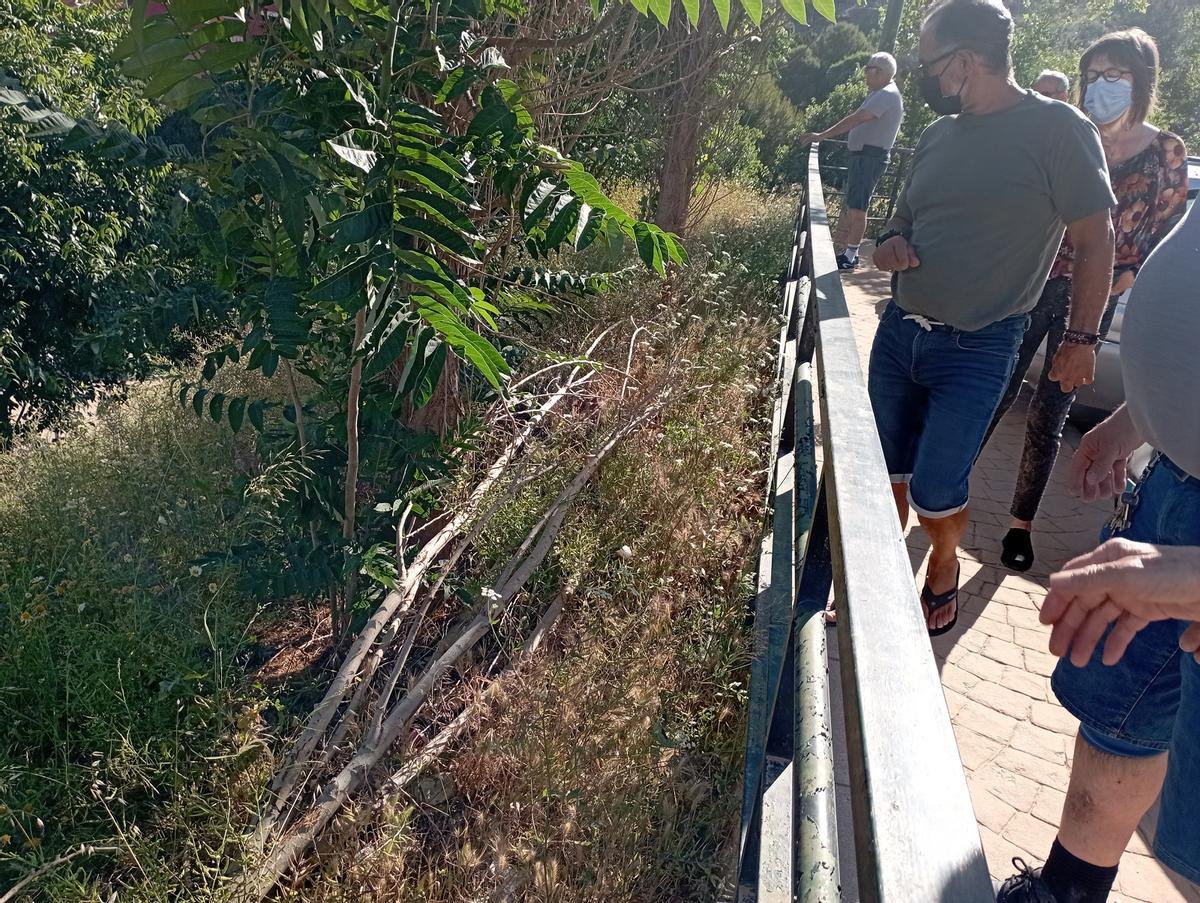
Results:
<point x="884" y="61"/>
<point x="1053" y="75"/>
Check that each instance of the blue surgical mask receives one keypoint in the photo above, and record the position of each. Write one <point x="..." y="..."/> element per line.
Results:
<point x="1107" y="101"/>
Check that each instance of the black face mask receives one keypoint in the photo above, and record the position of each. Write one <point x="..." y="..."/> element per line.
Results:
<point x="931" y="93"/>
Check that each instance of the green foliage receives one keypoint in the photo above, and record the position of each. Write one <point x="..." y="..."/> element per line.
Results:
<point x="769" y="111"/>
<point x="836" y="42"/>
<point x="813" y="71"/>
<point x="95" y="281"/>
<point x="120" y="659"/>
<point x="839" y="103"/>
<point x="802" y="77"/>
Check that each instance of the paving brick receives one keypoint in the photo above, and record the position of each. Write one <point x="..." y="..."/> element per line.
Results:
<point x="996" y="629"/>
<point x="1035" y="640"/>
<point x="1147" y="879"/>
<point x="956" y="678"/>
<point x="1022" y="617"/>
<point x="983" y="607"/>
<point x="975" y="749"/>
<point x="1054" y="717"/>
<point x="1031" y="833"/>
<point x="1037" y="741"/>
<point x="991" y="812"/>
<point x="1032" y="685"/>
<point x="1000" y="852"/>
<point x="1009" y="702"/>
<point x="1040" y="662"/>
<point x="988" y="722"/>
<point x="1005" y="653"/>
<point x="1046" y="773"/>
<point x="981" y="666"/>
<point x="954" y="701"/>
<point x="1048" y="804"/>
<point x="1018" y="790"/>
<point x="1023" y="584"/>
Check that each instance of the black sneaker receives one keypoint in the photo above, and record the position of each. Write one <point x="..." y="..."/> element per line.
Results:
<point x="845" y="263"/>
<point x="1026" y="886"/>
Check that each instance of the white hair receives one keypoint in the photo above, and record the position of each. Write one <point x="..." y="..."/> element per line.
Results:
<point x="884" y="61"/>
<point x="1060" y="80"/>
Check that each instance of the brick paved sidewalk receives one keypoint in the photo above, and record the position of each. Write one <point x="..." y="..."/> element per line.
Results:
<point x="1016" y="741"/>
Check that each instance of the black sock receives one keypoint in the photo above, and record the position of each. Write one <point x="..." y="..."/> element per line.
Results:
<point x="1072" y="880"/>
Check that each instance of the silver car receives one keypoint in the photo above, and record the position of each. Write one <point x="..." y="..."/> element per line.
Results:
<point x="1096" y="401"/>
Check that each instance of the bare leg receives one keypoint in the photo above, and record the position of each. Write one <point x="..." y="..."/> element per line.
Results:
<point x="1106" y="799"/>
<point x="839" y="232"/>
<point x="856" y="226"/>
<point x="900" y="494"/>
<point x="945" y="534"/>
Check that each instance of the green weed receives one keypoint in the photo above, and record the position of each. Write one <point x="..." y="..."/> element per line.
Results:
<point x="122" y="714"/>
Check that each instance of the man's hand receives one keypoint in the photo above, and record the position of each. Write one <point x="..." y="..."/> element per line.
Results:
<point x="809" y="138"/>
<point x="1074" y="366"/>
<point x="1126" y="583"/>
<point x="1098" y="468"/>
<point x="896" y="254"/>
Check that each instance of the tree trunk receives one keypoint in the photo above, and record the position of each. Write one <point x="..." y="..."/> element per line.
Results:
<point x="699" y="63"/>
<point x="678" y="173"/>
<point x="891" y="25"/>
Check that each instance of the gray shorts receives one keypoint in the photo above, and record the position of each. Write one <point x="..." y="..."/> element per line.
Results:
<point x="865" y="171"/>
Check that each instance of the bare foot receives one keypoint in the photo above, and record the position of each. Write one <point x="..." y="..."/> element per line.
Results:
<point x="941" y="577"/>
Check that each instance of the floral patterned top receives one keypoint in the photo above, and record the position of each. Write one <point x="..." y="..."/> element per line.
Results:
<point x="1151" y="189"/>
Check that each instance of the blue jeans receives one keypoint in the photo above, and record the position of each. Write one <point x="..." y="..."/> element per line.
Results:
<point x="1149" y="702"/>
<point x="934" y="391"/>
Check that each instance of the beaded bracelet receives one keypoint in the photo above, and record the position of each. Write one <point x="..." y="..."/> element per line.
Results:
<point x="1075" y="337"/>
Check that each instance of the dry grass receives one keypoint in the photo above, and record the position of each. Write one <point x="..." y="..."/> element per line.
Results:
<point x="608" y="767"/>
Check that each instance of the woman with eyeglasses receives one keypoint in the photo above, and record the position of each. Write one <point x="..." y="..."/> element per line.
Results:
<point x="1148" y="171"/>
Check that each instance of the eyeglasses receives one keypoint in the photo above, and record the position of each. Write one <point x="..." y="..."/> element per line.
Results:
<point x="1109" y="75"/>
<point x="924" y="65"/>
<point x="871" y="69"/>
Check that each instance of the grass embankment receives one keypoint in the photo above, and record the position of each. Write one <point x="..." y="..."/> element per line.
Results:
<point x="607" y="768"/>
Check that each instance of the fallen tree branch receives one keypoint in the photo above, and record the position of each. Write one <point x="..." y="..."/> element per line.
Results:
<point x="395" y="604"/>
<point x="337" y="791"/>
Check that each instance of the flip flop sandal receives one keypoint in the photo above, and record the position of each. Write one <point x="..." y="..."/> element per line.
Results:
<point x="1017" y="550"/>
<point x="933" y="601"/>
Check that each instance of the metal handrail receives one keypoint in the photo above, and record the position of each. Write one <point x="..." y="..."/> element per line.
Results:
<point x="834" y="523"/>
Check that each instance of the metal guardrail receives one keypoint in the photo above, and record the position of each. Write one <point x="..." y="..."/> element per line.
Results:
<point x="834" y="165"/>
<point x="833" y="523"/>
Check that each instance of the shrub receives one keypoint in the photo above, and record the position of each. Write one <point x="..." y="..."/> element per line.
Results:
<point x="94" y="279"/>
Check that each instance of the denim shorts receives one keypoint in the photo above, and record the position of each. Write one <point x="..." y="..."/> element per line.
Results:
<point x="1149" y="702"/>
<point x="862" y="175"/>
<point x="934" y="391"/>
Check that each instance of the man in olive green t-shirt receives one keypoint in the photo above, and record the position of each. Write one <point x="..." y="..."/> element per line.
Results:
<point x="994" y="182"/>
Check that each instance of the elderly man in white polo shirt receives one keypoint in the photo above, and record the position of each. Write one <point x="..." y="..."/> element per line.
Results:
<point x="872" y="132"/>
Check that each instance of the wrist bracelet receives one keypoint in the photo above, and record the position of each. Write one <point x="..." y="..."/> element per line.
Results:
<point x="890" y="233"/>
<point x="1075" y="337"/>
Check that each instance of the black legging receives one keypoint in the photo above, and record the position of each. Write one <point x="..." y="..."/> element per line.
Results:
<point x="1050" y="404"/>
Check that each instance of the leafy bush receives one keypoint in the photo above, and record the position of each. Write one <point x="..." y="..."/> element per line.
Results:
<point x="95" y="280"/>
<point x="838" y="41"/>
<point x="769" y="111"/>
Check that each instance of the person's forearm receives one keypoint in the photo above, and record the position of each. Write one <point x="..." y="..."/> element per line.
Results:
<point x="1091" y="282"/>
<point x="1123" y="427"/>
<point x="843" y="125"/>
